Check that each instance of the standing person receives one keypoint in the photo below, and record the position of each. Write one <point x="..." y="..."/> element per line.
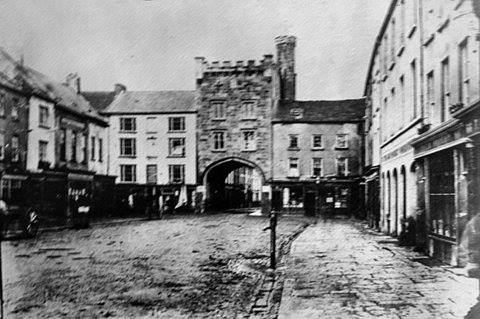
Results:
<point x="470" y="249"/>
<point x="130" y="202"/>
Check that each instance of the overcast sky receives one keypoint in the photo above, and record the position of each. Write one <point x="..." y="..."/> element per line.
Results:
<point x="151" y="45"/>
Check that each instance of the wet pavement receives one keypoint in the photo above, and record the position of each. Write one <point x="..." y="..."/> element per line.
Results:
<point x="340" y="269"/>
<point x="187" y="266"/>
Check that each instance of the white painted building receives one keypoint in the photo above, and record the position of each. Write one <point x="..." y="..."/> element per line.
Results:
<point x="152" y="140"/>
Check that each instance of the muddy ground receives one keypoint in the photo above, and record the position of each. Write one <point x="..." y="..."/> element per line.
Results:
<point x="190" y="266"/>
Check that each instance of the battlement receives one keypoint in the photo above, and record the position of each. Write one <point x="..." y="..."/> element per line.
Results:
<point x="285" y="39"/>
<point x="228" y="67"/>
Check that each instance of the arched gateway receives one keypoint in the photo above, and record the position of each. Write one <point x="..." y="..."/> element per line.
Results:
<point x="233" y="182"/>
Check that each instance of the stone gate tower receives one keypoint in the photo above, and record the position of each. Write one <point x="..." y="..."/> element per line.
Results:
<point x="234" y="117"/>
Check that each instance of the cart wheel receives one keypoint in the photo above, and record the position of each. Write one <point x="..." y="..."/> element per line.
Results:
<point x="32" y="223"/>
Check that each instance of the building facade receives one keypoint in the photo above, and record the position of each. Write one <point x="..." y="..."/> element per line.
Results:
<point x="422" y="83"/>
<point x="152" y="143"/>
<point x="317" y="156"/>
<point x="446" y="152"/>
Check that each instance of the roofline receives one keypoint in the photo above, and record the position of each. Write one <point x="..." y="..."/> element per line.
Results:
<point x="316" y="121"/>
<point x="145" y="113"/>
<point x="82" y="115"/>
<point x="378" y="40"/>
<point x="330" y="101"/>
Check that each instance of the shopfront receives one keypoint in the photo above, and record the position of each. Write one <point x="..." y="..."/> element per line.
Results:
<point x="444" y="174"/>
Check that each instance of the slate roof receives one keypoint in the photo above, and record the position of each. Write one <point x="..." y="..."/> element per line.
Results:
<point x="152" y="102"/>
<point x="319" y="111"/>
<point x="34" y="82"/>
<point x="99" y="99"/>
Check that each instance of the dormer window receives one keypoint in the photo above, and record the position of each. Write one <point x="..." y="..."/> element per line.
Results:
<point x="296" y="113"/>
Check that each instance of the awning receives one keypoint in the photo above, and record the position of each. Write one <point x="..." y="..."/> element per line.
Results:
<point x="443" y="147"/>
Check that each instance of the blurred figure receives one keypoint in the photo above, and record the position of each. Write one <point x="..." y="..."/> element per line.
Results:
<point x="470" y="253"/>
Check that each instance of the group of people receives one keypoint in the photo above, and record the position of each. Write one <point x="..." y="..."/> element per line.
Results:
<point x="150" y="205"/>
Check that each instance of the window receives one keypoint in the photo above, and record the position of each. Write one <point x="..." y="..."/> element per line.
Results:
<point x="152" y="174"/>
<point x="84" y="148"/>
<point x="42" y="151"/>
<point x="317" y="141"/>
<point x="293" y="170"/>
<point x="218" y="140"/>
<point x="342" y="166"/>
<point x="92" y="148"/>
<point x="15" y="149"/>
<point x="317" y="165"/>
<point x="176" y="173"/>
<point x="176" y="146"/>
<point x="218" y="110"/>
<point x="3" y="101"/>
<point x="2" y="146"/>
<point x="15" y="109"/>
<point x="413" y="71"/>
<point x="128" y="124"/>
<point x="445" y="102"/>
<point x="249" y="142"/>
<point x="393" y="110"/>
<point x="74" y="147"/>
<point x="176" y="123"/>
<point x="128" y="173"/>
<point x="63" y="145"/>
<point x="402" y="23"/>
<point x="341" y="141"/>
<point x="293" y="138"/>
<point x="100" y="150"/>
<point x="430" y="95"/>
<point x="44" y="116"/>
<point x="248" y="110"/>
<point x="392" y="41"/>
<point x="128" y="147"/>
<point x="463" y="74"/>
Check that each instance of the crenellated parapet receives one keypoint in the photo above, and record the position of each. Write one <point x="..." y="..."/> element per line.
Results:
<point x="226" y="68"/>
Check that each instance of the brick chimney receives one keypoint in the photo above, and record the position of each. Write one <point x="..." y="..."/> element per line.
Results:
<point x="73" y="81"/>
<point x="286" y="62"/>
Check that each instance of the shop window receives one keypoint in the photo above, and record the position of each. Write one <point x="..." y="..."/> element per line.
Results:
<point x="11" y="190"/>
<point x="152" y="174"/>
<point x="219" y="140"/>
<point x="176" y="147"/>
<point x="176" y="174"/>
<point x="317" y="141"/>
<point x="127" y="147"/>
<point x="74" y="147"/>
<point x="176" y="123"/>
<point x="249" y="142"/>
<point x="128" y="124"/>
<point x="100" y="149"/>
<point x="128" y="173"/>
<point x="293" y="197"/>
<point x="293" y="141"/>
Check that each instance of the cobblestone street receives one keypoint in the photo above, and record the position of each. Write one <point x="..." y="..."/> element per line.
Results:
<point x="187" y="266"/>
<point x="339" y="269"/>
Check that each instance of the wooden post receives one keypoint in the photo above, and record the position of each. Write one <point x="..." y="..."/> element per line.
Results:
<point x="273" y="249"/>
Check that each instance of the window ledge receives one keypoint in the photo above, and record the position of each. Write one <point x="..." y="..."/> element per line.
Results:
<point x="175" y="156"/>
<point x="296" y="149"/>
<point x="400" y="51"/>
<point x="249" y="119"/>
<point x="219" y="150"/>
<point x="318" y="148"/>
<point x="175" y="131"/>
<point x="341" y="148"/>
<point x="248" y="150"/>
<point x="44" y="126"/>
<point x="127" y="156"/>
<point x="412" y="31"/>
<point x="120" y="131"/>
<point x="151" y="132"/>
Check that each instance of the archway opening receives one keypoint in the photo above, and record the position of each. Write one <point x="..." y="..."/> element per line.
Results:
<point x="233" y="183"/>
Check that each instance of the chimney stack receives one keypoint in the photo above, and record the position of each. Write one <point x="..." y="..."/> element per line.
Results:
<point x="118" y="88"/>
<point x="73" y="81"/>
<point x="286" y="61"/>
